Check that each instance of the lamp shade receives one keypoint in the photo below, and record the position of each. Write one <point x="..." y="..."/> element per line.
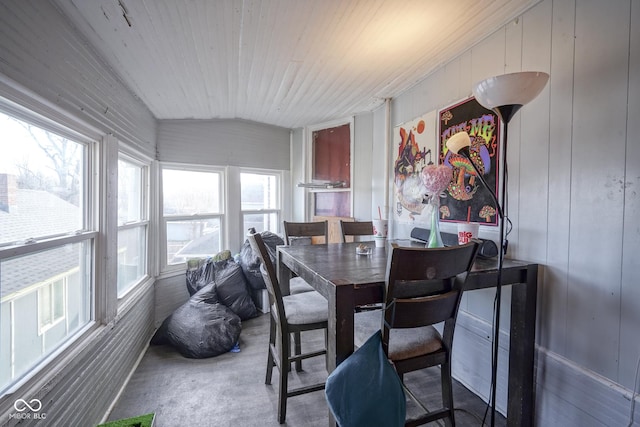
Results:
<point x="458" y="141"/>
<point x="509" y="90"/>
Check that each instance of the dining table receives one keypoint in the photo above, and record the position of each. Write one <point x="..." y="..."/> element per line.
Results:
<point x="349" y="280"/>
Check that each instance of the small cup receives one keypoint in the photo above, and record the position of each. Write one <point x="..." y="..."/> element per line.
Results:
<point x="467" y="231"/>
<point x="380" y="228"/>
<point x="380" y="241"/>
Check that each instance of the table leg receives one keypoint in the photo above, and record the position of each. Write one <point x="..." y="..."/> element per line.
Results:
<point x="284" y="275"/>
<point x="520" y="407"/>
<point x="340" y="331"/>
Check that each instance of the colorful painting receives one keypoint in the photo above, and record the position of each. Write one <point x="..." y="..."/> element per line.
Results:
<point x="415" y="143"/>
<point x="466" y="199"/>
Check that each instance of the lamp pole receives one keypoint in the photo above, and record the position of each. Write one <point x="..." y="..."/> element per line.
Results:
<point x="505" y="95"/>
<point x="505" y="116"/>
<point x="459" y="144"/>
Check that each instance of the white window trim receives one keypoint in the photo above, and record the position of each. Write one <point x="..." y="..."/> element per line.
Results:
<point x="17" y="100"/>
<point x="43" y="328"/>
<point x="280" y="196"/>
<point x="162" y="220"/>
<point x="146" y="163"/>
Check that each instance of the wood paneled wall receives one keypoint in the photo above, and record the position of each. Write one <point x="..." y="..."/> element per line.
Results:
<point x="224" y="142"/>
<point x="574" y="172"/>
<point x="574" y="163"/>
<point x="40" y="51"/>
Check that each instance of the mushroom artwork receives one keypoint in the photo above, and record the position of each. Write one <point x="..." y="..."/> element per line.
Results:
<point x="487" y="212"/>
<point x="459" y="189"/>
<point x="444" y="210"/>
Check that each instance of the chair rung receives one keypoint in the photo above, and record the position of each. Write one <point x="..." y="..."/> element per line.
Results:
<point x="427" y="418"/>
<point x="307" y="355"/>
<point x="305" y="389"/>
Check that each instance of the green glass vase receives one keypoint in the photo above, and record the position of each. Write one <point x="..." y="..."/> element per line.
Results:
<point x="435" y="239"/>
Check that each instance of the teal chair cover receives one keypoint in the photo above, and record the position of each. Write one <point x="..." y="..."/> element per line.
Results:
<point x="365" y="389"/>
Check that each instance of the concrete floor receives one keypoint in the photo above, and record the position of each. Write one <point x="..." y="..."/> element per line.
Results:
<point x="229" y="389"/>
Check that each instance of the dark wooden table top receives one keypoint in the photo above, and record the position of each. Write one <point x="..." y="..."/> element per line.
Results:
<point x="339" y="263"/>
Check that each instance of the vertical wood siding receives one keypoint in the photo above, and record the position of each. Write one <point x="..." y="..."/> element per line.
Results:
<point x="574" y="164"/>
<point x="574" y="171"/>
<point x="630" y="260"/>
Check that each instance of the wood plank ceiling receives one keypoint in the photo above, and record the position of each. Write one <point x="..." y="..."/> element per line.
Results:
<point x="288" y="63"/>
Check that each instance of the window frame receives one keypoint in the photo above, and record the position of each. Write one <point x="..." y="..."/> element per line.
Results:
<point x="51" y="284"/>
<point x="164" y="220"/>
<point x="145" y="164"/>
<point x="279" y="199"/>
<point x="30" y="109"/>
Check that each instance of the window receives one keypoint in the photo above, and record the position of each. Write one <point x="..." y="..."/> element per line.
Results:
<point x="46" y="239"/>
<point x="51" y="303"/>
<point x="260" y="201"/>
<point x="330" y="169"/>
<point x="192" y="213"/>
<point x="132" y="223"/>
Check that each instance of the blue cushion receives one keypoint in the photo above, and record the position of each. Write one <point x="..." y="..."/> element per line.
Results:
<point x="365" y="390"/>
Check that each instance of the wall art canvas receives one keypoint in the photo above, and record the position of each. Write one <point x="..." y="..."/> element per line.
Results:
<point x="466" y="199"/>
<point x="415" y="145"/>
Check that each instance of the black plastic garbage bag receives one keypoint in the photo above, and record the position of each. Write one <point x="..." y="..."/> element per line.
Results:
<point x="232" y="289"/>
<point x="250" y="262"/>
<point x="200" y="328"/>
<point x="200" y="271"/>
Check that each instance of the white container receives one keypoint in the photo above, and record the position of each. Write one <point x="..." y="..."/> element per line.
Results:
<point x="380" y="228"/>
<point x="467" y="231"/>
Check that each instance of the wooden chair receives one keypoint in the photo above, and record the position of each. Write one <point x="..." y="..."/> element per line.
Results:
<point x="305" y="231"/>
<point x="356" y="228"/>
<point x="297" y="232"/>
<point x="290" y="314"/>
<point x="424" y="286"/>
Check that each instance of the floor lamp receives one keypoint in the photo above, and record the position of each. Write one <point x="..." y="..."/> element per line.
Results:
<point x="504" y="95"/>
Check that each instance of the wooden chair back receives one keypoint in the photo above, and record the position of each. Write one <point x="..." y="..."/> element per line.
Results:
<point x="424" y="286"/>
<point x="305" y="229"/>
<point x="356" y="228"/>
<point x="267" y="269"/>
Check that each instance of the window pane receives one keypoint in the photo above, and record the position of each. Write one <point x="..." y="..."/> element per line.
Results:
<point x="129" y="192"/>
<point x="190" y="192"/>
<point x="44" y="305"/>
<point x="30" y="285"/>
<point x="261" y="222"/>
<point x="192" y="239"/>
<point x="336" y="203"/>
<point x="58" y="300"/>
<point x="132" y="259"/>
<point x="41" y="182"/>
<point x="258" y="191"/>
<point x="132" y="239"/>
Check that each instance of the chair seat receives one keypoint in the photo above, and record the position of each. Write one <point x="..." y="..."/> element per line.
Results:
<point x="305" y="308"/>
<point x="298" y="285"/>
<point x="403" y="343"/>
